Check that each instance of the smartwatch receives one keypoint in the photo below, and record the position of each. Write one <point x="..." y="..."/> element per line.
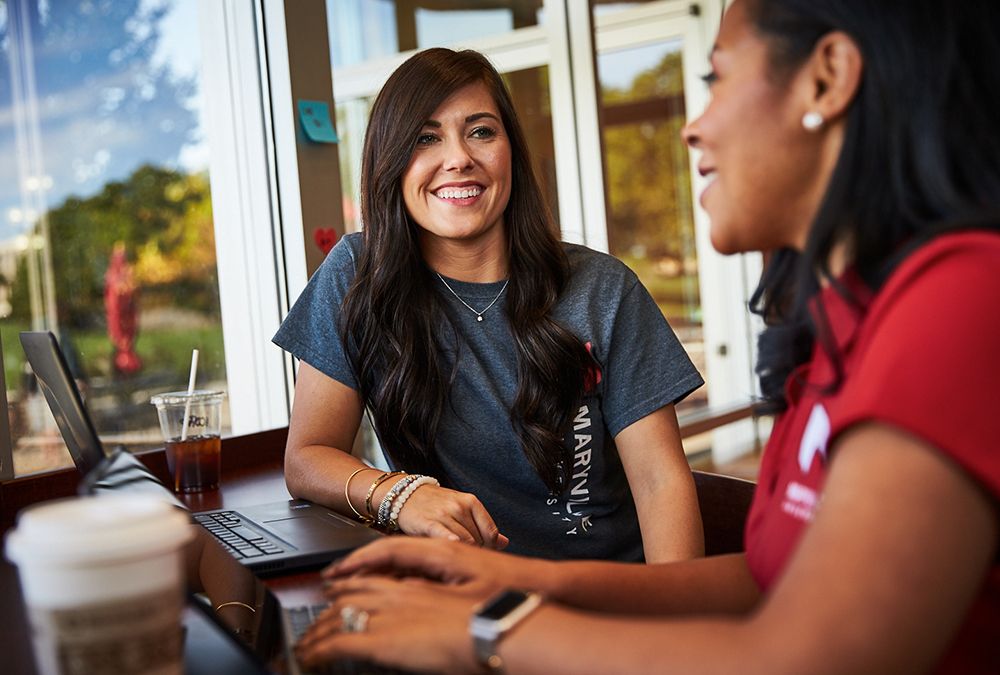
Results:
<point x="494" y="618"/>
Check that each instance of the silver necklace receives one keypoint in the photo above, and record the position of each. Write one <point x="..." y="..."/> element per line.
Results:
<point x="479" y="315"/>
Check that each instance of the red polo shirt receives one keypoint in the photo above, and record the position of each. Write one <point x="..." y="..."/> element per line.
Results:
<point x="923" y="355"/>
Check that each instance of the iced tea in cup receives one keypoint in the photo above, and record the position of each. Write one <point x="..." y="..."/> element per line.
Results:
<point x="103" y="583"/>
<point x="191" y="425"/>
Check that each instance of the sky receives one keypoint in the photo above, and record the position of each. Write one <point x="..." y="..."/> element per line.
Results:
<point x="96" y="89"/>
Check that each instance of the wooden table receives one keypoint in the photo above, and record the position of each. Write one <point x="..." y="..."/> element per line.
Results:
<point x="251" y="474"/>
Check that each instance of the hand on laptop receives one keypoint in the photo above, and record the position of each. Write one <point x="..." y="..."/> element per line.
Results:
<point x="452" y="563"/>
<point x="441" y="513"/>
<point x="417" y="626"/>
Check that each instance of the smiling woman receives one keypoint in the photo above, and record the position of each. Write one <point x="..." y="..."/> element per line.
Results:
<point x="458" y="184"/>
<point x="534" y="380"/>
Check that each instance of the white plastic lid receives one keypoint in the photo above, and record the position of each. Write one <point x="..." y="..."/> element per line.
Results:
<point x="95" y="530"/>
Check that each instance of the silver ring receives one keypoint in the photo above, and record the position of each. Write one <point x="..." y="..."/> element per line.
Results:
<point x="353" y="620"/>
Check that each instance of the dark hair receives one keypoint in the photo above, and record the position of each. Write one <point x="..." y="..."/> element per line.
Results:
<point x="392" y="312"/>
<point x="921" y="152"/>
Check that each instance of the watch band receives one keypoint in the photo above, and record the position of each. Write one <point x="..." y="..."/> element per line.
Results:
<point x="496" y="617"/>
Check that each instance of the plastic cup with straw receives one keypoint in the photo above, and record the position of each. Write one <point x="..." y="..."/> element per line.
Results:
<point x="191" y="423"/>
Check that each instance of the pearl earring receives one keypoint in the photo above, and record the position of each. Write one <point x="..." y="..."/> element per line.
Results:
<point x="812" y="121"/>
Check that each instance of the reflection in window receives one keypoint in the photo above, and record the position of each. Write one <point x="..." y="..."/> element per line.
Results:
<point x="529" y="89"/>
<point x="352" y="120"/>
<point x="106" y="231"/>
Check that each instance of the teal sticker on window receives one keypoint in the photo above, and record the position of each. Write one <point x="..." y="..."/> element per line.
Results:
<point x="316" y="123"/>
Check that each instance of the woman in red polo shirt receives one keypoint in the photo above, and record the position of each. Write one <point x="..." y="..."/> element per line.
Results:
<point x="856" y="142"/>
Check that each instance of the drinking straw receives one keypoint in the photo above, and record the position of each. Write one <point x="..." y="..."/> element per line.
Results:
<point x="187" y="403"/>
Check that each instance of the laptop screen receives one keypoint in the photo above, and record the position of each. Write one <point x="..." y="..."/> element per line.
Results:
<point x="63" y="397"/>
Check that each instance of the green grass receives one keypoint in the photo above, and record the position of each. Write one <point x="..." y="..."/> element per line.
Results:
<point x="13" y="356"/>
<point x="165" y="352"/>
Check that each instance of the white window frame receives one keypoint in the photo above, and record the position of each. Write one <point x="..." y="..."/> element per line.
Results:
<point x="251" y="253"/>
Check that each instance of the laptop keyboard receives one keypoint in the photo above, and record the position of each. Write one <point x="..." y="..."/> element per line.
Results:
<point x="300" y="618"/>
<point x="238" y="539"/>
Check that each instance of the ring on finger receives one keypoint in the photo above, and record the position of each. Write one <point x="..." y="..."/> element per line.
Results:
<point x="353" y="620"/>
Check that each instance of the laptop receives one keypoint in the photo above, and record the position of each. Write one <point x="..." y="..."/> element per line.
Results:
<point x="239" y="641"/>
<point x="266" y="538"/>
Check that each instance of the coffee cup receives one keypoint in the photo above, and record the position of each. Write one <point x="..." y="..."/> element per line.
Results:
<point x="103" y="583"/>
<point x="190" y="423"/>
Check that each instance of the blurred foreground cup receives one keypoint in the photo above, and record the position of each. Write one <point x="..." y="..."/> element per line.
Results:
<point x="103" y="583"/>
<point x="190" y="423"/>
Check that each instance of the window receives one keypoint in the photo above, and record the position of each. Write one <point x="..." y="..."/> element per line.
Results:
<point x="107" y="235"/>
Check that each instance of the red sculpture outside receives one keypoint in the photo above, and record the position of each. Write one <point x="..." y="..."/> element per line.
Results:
<point x="120" y="307"/>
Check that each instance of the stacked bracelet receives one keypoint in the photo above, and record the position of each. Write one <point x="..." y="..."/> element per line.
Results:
<point x="382" y="519"/>
<point x="398" y="502"/>
<point x="371" y="491"/>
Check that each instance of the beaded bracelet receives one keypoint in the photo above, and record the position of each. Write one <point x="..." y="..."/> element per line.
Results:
<point x="371" y="491"/>
<point x="347" y="492"/>
<point x="383" y="509"/>
<point x="397" y="504"/>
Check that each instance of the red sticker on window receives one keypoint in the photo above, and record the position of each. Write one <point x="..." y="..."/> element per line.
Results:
<point x="325" y="238"/>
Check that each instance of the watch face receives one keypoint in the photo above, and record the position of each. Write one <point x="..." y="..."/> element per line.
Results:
<point x="502" y="605"/>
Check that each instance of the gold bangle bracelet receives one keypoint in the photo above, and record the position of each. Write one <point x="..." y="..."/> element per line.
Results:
<point x="236" y="603"/>
<point x="347" y="491"/>
<point x="371" y="491"/>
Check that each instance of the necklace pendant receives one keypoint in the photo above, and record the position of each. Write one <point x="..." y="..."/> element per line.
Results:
<point x="479" y="315"/>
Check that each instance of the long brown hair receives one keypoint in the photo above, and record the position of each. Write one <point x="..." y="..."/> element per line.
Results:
<point x="907" y="171"/>
<point x="391" y="314"/>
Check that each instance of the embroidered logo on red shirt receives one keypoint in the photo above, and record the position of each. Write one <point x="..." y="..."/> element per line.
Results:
<point x="800" y="500"/>
<point x="814" y="438"/>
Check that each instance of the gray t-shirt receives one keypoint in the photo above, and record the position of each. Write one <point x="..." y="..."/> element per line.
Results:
<point x="642" y="367"/>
